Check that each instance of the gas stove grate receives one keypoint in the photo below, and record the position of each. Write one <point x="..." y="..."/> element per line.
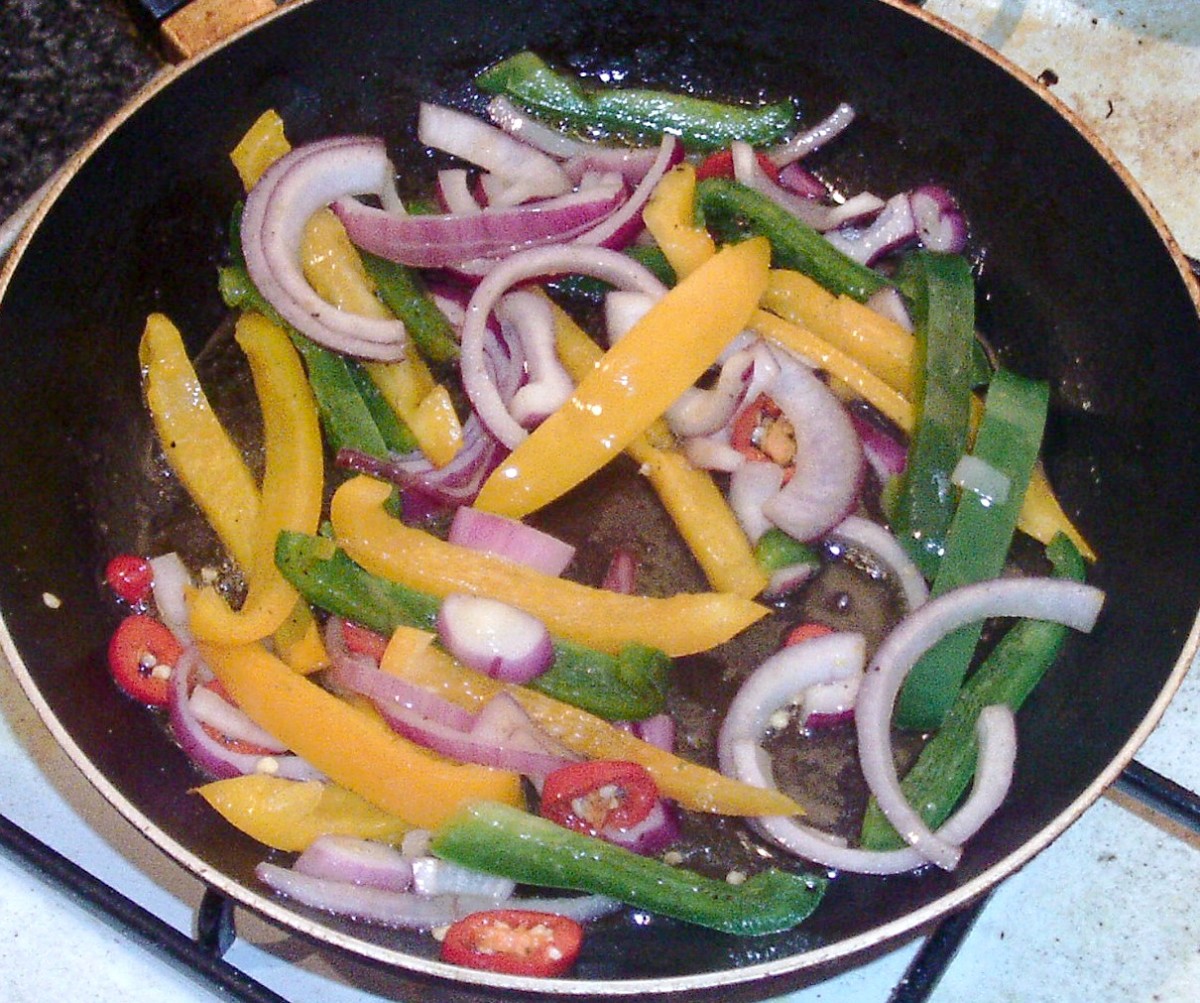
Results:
<point x="202" y="956"/>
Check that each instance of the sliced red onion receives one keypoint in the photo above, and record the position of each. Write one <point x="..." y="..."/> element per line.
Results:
<point x="632" y="163"/>
<point x="278" y="208"/>
<point x="941" y="225"/>
<point x="504" y="722"/>
<point x="1070" y="603"/>
<point x="533" y="173"/>
<point x="829" y="704"/>
<point x="549" y="385"/>
<point x="400" y="910"/>
<point x="171" y="580"/>
<point x="357" y="861"/>
<point x="878" y="540"/>
<point x="527" y="129"/>
<point x="799" y="180"/>
<point x="653" y="834"/>
<point x="494" y="638"/>
<point x="805" y="142"/>
<point x="996" y="733"/>
<point x="658" y="731"/>
<point x="539" y="262"/>
<point x="432" y="877"/>
<point x="581" y="908"/>
<point x="751" y="486"/>
<point x="702" y="412"/>
<point x="788" y="579"/>
<point x="448" y="239"/>
<point x="510" y="538"/>
<point x="621" y="573"/>
<point x="889" y="302"/>
<point x="712" y="452"/>
<point x="454" y="192"/>
<point x="982" y="479"/>
<point x="212" y="709"/>
<point x="824" y="488"/>
<point x="886" y="454"/>
<point x="619" y="229"/>
<point x="212" y="756"/>
<point x="894" y="228"/>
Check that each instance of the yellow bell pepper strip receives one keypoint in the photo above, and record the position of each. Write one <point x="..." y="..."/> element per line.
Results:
<point x="353" y="747"/>
<point x="263" y="144"/>
<point x="682" y="624"/>
<point x="197" y="447"/>
<point x="693" y="786"/>
<point x="670" y="216"/>
<point x="290" y="814"/>
<point x="292" y="488"/>
<point x="662" y="355"/>
<point x="689" y="495"/>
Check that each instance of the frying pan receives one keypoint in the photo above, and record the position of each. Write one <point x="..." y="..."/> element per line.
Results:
<point x="1079" y="284"/>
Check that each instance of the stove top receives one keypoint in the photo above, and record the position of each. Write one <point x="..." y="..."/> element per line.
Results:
<point x="1107" y="912"/>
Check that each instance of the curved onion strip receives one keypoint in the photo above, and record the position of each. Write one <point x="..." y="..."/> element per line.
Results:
<point x="454" y="192"/>
<point x="895" y="227"/>
<point x="210" y="755"/>
<point x="751" y="485"/>
<point x="996" y="732"/>
<point x="1070" y="603"/>
<point x="875" y="539"/>
<point x="337" y="857"/>
<point x="494" y="637"/>
<point x="598" y="262"/>
<point x="498" y="534"/>
<point x="804" y="143"/>
<point x="434" y="876"/>
<point x="170" y="583"/>
<point x="702" y="412"/>
<point x="528" y="129"/>
<point x="277" y="210"/>
<point x="219" y="714"/>
<point x="829" y="459"/>
<point x="623" y="225"/>
<point x="549" y="385"/>
<point x="712" y="452"/>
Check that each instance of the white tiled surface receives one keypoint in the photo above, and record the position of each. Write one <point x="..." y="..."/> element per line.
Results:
<point x="1107" y="913"/>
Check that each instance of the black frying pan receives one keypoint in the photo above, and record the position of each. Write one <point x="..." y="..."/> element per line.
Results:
<point x="1079" y="284"/>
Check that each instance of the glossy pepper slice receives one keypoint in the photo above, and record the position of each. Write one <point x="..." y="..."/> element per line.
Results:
<point x="700" y="123"/>
<point x="978" y="539"/>
<point x="598" y="795"/>
<point x="511" y="843"/>
<point x="662" y="355"/>
<point x="628" y="686"/>
<point x="514" y="942"/>
<point x="141" y="654"/>
<point x="943" y="771"/>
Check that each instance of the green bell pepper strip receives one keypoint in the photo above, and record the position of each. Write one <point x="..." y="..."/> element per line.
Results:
<point x="505" y="841"/>
<point x="628" y="686"/>
<point x="403" y="292"/>
<point x="733" y="211"/>
<point x="701" y="124"/>
<point x="944" y="326"/>
<point x="943" y="771"/>
<point x="776" y="550"/>
<point x="978" y="540"/>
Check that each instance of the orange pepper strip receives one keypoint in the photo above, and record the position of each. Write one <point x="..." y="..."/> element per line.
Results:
<point x="355" y="749"/>
<point x="662" y="355"/>
<point x="679" y="625"/>
<point x="694" y="786"/>
<point x="290" y="814"/>
<point x="291" y="492"/>
<point x="694" y="502"/>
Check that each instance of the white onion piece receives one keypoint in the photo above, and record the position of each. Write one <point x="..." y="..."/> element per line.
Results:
<point x="1070" y="603"/>
<point x="497" y="534"/>
<point x="454" y="191"/>
<point x="432" y="876"/>
<point x="539" y="262"/>
<point x="277" y="210"/>
<point x="400" y="910"/>
<point x="941" y="225"/>
<point x="527" y="129"/>
<point x="804" y="143"/>
<point x="982" y="479"/>
<point x="829" y="703"/>
<point x="895" y="227"/>
<point x="788" y="579"/>
<point x="702" y="412"/>
<point x="581" y="908"/>
<point x="532" y="173"/>
<point x="171" y="580"/>
<point x="879" y="541"/>
<point x="218" y="713"/>
<point x="494" y="638"/>
<point x="751" y="486"/>
<point x="549" y="384"/>
<point x="889" y="302"/>
<point x="623" y="225"/>
<point x="996" y="732"/>
<point x="712" y="452"/>
<point x="829" y="459"/>
<point x="358" y="861"/>
<point x="622" y="309"/>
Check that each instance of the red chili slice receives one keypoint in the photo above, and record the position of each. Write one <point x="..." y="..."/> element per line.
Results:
<point x="598" y="795"/>
<point x="761" y="433"/>
<point x="803" y="631"/>
<point x="141" y="654"/>
<point x="131" y="577"/>
<point x="514" y="942"/>
<point x="361" y="641"/>
<point x="720" y="165"/>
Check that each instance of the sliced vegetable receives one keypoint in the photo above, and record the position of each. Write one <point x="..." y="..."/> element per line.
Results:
<point x="514" y="942"/>
<point x="700" y="123"/>
<point x="142" y="654"/>
<point x="502" y="840"/>
<point x="978" y="539"/>
<point x="495" y="638"/>
<point x="404" y="293"/>
<point x="613" y="800"/>
<point x="130" y="577"/>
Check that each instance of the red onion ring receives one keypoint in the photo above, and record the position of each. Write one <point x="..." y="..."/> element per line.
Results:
<point x="702" y="412"/>
<point x="809" y="140"/>
<point x="877" y="540"/>
<point x="511" y="538"/>
<point x="357" y="861"/>
<point x="549" y="385"/>
<point x="623" y="225"/>
<point x="1070" y="603"/>
<point x="495" y="638"/>
<point x="527" y="129"/>
<point x="277" y="210"/>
